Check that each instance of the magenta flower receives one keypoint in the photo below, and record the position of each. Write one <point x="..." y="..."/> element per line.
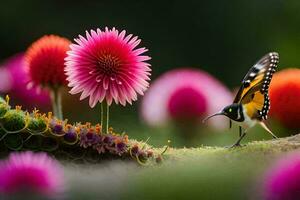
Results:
<point x="106" y="65"/>
<point x="282" y="182"/>
<point x="184" y="94"/>
<point x="31" y="173"/>
<point x="14" y="80"/>
<point x="187" y="103"/>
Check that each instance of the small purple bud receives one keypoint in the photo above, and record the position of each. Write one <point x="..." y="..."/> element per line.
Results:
<point x="57" y="129"/>
<point x="90" y="135"/>
<point x="108" y="140"/>
<point x="121" y="146"/>
<point x="70" y="137"/>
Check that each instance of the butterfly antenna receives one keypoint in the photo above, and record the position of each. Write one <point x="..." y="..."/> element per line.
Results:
<point x="267" y="129"/>
<point x="210" y="116"/>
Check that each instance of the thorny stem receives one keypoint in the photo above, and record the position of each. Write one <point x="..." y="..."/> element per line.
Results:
<point x="56" y="103"/>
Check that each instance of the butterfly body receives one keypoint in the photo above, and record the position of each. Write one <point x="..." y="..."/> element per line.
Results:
<point x="247" y="123"/>
<point x="239" y="115"/>
<point x="243" y="118"/>
<point x="251" y="104"/>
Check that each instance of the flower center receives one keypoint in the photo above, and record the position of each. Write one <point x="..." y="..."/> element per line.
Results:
<point x="108" y="64"/>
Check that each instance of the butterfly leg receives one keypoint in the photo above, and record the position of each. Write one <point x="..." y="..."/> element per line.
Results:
<point x="242" y="135"/>
<point x="241" y="131"/>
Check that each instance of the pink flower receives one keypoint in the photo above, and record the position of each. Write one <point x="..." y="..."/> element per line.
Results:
<point x="28" y="172"/>
<point x="6" y="81"/>
<point x="13" y="80"/>
<point x="283" y="180"/>
<point x="107" y="65"/>
<point x="187" y="103"/>
<point x="185" y="94"/>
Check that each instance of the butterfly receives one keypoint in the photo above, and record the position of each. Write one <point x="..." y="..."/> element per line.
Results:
<point x="251" y="104"/>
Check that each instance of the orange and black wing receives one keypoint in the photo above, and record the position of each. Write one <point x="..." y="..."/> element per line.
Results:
<point x="253" y="93"/>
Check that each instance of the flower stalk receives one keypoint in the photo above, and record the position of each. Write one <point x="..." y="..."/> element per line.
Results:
<point x="105" y="108"/>
<point x="56" y="103"/>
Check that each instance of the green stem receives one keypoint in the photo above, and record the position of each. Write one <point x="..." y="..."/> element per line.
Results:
<point x="107" y="117"/>
<point x="53" y="101"/>
<point x="56" y="103"/>
<point x="102" y="113"/>
<point x="104" y="118"/>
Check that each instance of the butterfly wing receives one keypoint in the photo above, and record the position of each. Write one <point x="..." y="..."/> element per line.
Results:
<point x="257" y="104"/>
<point x="253" y="93"/>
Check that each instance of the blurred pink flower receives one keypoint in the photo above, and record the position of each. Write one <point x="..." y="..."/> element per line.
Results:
<point x="282" y="181"/>
<point x="6" y="81"/>
<point x="185" y="93"/>
<point x="107" y="65"/>
<point x="14" y="79"/>
<point x="33" y="173"/>
<point x="187" y="103"/>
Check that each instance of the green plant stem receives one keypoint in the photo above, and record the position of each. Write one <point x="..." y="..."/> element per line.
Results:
<point x="105" y="118"/>
<point x="102" y="113"/>
<point x="56" y="103"/>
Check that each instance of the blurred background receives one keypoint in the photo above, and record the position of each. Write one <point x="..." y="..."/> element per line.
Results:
<point x="221" y="37"/>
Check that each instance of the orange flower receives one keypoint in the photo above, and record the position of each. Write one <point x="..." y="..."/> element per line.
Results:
<point x="45" y="61"/>
<point x="285" y="97"/>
